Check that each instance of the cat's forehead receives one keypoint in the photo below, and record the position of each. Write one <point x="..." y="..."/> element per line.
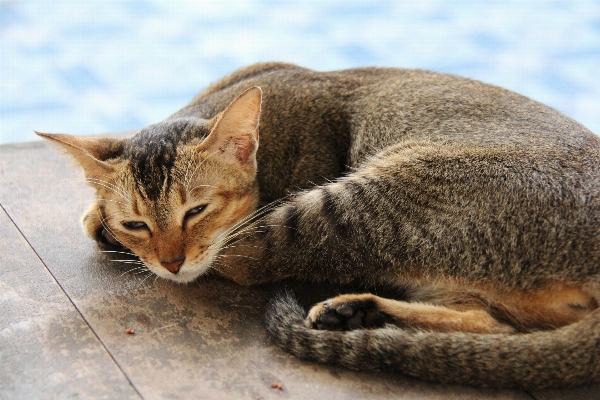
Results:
<point x="152" y="152"/>
<point x="176" y="132"/>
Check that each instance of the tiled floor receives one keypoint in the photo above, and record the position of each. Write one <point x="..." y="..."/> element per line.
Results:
<point x="65" y="307"/>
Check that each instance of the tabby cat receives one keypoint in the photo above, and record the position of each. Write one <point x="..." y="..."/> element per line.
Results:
<point x="480" y="206"/>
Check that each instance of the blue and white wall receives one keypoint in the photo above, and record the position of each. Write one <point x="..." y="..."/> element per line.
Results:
<point x="94" y="66"/>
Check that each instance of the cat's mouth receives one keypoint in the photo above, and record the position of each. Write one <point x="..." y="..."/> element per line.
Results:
<point x="188" y="271"/>
<point x="186" y="274"/>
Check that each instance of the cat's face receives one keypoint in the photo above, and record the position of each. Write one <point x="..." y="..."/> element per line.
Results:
<point x="179" y="233"/>
<point x="173" y="205"/>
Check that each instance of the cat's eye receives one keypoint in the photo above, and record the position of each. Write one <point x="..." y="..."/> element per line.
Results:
<point x="135" y="225"/>
<point x="194" y="211"/>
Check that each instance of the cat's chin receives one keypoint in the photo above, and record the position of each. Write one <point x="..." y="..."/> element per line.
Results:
<point x="185" y="275"/>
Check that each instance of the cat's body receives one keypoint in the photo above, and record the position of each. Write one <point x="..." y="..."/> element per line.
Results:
<point x="481" y="205"/>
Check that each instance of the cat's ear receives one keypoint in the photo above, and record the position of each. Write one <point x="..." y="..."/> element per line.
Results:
<point x="235" y="134"/>
<point x="89" y="152"/>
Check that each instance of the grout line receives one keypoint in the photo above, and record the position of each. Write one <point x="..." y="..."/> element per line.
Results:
<point x="73" y="303"/>
<point x="528" y="393"/>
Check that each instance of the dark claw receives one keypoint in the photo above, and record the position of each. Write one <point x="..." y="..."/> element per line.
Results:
<point x="355" y="323"/>
<point x="330" y="319"/>
<point x="345" y="317"/>
<point x="345" y="310"/>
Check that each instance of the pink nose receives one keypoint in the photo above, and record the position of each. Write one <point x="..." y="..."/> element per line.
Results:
<point x="174" y="265"/>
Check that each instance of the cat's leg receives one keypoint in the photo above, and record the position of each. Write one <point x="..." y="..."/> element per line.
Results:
<point x="353" y="311"/>
<point x="95" y="229"/>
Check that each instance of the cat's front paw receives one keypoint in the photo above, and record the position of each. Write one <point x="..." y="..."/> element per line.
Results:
<point x="92" y="225"/>
<point x="345" y="312"/>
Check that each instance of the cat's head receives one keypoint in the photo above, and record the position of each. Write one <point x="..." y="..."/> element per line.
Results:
<point x="171" y="192"/>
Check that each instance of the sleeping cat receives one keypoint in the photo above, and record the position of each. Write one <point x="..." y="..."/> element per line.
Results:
<point x="480" y="206"/>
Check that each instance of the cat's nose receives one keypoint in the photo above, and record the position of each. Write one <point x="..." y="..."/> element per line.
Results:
<point x="173" y="265"/>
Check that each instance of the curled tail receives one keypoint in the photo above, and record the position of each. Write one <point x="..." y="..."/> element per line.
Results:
<point x="567" y="356"/>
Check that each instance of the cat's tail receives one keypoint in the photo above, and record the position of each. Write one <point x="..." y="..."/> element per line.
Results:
<point x="566" y="356"/>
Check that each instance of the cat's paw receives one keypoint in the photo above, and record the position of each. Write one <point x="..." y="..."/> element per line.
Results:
<point x="92" y="225"/>
<point x="345" y="312"/>
<point x="108" y="241"/>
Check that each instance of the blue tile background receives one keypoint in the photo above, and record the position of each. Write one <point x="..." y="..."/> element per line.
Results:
<point x="93" y="66"/>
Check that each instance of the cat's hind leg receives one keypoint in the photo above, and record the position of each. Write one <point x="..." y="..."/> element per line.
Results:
<point x="353" y="311"/>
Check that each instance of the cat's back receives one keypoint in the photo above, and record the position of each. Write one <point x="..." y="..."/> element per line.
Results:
<point x="392" y="104"/>
<point x="316" y="124"/>
<point x="398" y="105"/>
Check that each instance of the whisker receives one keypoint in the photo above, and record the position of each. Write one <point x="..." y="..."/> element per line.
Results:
<point x="87" y="202"/>
<point x="144" y="280"/>
<point x="237" y="255"/>
<point x="234" y="240"/>
<point x="105" y="225"/>
<point x="128" y="261"/>
<point x="140" y="270"/>
<point x="118" y="190"/>
<point x="196" y="187"/>
<point x="233" y="245"/>
<point x="228" y="240"/>
<point x="118" y="252"/>
<point x="248" y="219"/>
<point x="242" y="231"/>
<point x="217" y="263"/>
<point x="116" y="201"/>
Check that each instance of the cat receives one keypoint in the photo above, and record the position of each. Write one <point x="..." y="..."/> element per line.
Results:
<point x="479" y="206"/>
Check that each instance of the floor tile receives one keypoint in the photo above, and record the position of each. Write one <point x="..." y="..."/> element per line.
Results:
<point x="47" y="350"/>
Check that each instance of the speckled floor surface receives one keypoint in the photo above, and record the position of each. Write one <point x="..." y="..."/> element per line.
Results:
<point x="65" y="308"/>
